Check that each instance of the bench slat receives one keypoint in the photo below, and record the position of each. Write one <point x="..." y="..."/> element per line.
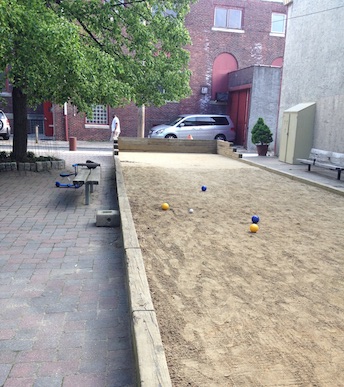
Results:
<point x="328" y="165"/>
<point x="82" y="176"/>
<point x="94" y="176"/>
<point x="306" y="161"/>
<point x="88" y="177"/>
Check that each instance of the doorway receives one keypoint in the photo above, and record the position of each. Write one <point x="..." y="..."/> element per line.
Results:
<point x="48" y="119"/>
<point x="238" y="111"/>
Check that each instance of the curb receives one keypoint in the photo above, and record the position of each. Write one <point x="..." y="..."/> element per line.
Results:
<point x="152" y="370"/>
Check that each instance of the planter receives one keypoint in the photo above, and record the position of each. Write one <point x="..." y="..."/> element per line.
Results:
<point x="261" y="135"/>
<point x="38" y="166"/>
<point x="262" y="149"/>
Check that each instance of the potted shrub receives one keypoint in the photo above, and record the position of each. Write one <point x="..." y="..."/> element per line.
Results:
<point x="261" y="136"/>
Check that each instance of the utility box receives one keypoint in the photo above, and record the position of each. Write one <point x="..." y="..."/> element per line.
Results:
<point x="297" y="133"/>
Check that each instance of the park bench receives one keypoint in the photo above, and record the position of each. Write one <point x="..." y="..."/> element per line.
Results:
<point x="87" y="174"/>
<point x="333" y="161"/>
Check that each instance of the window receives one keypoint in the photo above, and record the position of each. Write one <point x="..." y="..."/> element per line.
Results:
<point x="278" y="23"/>
<point x="221" y="120"/>
<point x="100" y="115"/>
<point x="212" y="120"/>
<point x="227" y="18"/>
<point x="205" y="121"/>
<point x="190" y="121"/>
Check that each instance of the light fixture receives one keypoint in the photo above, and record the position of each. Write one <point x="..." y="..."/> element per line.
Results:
<point x="204" y="89"/>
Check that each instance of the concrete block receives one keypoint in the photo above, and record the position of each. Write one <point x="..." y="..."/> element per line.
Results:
<point x="107" y="218"/>
<point x="39" y="166"/>
<point x="54" y="164"/>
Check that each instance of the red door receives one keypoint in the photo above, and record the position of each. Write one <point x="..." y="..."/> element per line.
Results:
<point x="240" y="100"/>
<point x="48" y="119"/>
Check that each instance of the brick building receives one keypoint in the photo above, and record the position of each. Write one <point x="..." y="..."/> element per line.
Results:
<point x="226" y="35"/>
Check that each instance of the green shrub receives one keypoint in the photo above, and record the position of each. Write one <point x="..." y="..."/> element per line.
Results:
<point x="261" y="133"/>
<point x="4" y="157"/>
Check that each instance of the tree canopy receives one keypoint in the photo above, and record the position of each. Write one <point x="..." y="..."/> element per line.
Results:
<point x="94" y="52"/>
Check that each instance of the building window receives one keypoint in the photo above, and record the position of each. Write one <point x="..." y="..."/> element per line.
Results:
<point x="278" y="23"/>
<point x="100" y="115"/>
<point x="228" y="18"/>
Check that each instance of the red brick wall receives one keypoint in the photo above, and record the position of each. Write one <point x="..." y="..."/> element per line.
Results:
<point x="74" y="126"/>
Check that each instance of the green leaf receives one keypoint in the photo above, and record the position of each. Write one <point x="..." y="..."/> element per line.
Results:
<point x="88" y="52"/>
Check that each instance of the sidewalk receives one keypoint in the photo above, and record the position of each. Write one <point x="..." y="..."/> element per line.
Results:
<point x="320" y="177"/>
<point x="64" y="312"/>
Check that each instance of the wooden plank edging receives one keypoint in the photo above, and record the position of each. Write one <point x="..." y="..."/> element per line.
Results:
<point x="152" y="369"/>
<point x="134" y="144"/>
<point x="171" y="145"/>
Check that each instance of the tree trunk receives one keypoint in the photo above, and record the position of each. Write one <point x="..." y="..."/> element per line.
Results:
<point x="19" y="101"/>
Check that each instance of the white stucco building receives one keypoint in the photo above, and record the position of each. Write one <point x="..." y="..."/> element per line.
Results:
<point x="313" y="68"/>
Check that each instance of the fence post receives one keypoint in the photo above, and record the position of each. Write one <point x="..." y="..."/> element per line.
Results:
<point x="36" y="131"/>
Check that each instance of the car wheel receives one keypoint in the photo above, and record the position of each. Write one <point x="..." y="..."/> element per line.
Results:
<point x="170" y="136"/>
<point x="1" y="124"/>
<point x="220" y="137"/>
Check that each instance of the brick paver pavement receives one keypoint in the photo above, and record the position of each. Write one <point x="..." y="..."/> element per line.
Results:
<point x="63" y="302"/>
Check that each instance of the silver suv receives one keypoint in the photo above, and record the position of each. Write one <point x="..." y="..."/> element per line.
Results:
<point x="198" y="127"/>
<point x="5" y="128"/>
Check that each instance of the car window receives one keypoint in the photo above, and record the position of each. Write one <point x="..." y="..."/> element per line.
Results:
<point x="2" y="115"/>
<point x="199" y="121"/>
<point x="190" y="121"/>
<point x="175" y="121"/>
<point x="205" y="121"/>
<point x="221" y="120"/>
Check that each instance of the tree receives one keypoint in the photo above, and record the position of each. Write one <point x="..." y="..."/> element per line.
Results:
<point x="89" y="52"/>
<point x="261" y="133"/>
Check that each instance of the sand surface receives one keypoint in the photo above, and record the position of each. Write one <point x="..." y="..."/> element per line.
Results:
<point x="237" y="308"/>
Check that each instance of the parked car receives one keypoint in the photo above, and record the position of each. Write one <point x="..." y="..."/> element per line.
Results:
<point x="199" y="126"/>
<point x="5" y="127"/>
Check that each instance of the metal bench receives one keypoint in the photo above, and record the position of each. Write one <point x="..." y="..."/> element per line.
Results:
<point x="325" y="159"/>
<point x="88" y="177"/>
<point x="87" y="174"/>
